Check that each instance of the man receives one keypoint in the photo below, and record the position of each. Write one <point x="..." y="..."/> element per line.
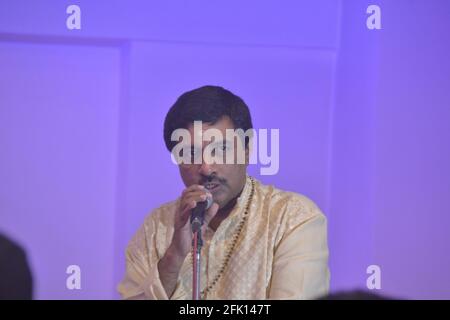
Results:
<point x="259" y="242"/>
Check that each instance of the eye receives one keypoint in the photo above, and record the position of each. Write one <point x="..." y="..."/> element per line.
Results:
<point x="222" y="149"/>
<point x="194" y="153"/>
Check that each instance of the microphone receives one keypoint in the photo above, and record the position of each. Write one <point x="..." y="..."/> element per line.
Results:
<point x="198" y="214"/>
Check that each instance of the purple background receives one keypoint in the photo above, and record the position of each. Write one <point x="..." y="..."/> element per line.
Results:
<point x="363" y="117"/>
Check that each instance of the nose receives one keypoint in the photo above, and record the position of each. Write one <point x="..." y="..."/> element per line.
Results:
<point x="207" y="166"/>
<point x="205" y="169"/>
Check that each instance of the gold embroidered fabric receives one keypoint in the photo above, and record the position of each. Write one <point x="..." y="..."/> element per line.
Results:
<point x="281" y="253"/>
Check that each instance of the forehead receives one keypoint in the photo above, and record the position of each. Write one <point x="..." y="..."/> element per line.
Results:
<point x="222" y="124"/>
<point x="198" y="133"/>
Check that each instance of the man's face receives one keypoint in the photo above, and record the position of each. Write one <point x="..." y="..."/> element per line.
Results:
<point x="224" y="181"/>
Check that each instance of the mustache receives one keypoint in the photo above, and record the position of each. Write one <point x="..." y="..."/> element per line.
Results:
<point x="212" y="178"/>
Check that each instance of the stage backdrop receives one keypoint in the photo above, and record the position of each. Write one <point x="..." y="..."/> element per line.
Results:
<point x="363" y="118"/>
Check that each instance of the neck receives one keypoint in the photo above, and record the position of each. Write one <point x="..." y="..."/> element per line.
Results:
<point x="224" y="212"/>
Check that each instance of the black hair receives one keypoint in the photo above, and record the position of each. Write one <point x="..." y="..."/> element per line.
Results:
<point x="207" y="104"/>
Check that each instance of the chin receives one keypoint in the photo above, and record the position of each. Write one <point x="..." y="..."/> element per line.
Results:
<point x="220" y="201"/>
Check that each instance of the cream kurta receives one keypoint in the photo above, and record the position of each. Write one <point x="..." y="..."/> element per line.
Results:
<point x="281" y="253"/>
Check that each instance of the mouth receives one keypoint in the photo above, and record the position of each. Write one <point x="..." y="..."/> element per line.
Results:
<point x="211" y="186"/>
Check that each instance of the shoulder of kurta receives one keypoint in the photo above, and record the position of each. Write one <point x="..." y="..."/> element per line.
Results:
<point x="295" y="205"/>
<point x="288" y="210"/>
<point x="161" y="216"/>
<point x="164" y="214"/>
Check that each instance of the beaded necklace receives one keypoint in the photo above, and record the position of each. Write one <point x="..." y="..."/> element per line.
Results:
<point x="236" y="236"/>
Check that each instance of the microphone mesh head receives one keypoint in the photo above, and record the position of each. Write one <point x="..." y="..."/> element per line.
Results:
<point x="209" y="202"/>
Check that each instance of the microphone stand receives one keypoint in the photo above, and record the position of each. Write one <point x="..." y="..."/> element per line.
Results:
<point x="197" y="244"/>
<point x="197" y="218"/>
